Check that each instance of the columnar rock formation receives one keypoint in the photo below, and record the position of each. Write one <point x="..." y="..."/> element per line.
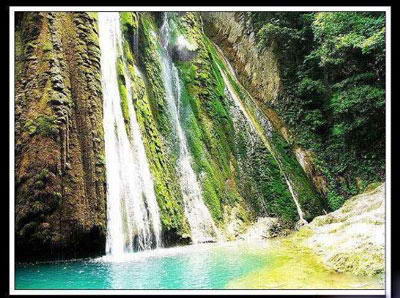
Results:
<point x="60" y="176"/>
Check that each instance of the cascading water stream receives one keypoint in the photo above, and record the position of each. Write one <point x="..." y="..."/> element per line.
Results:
<point x="236" y="100"/>
<point x="201" y="223"/>
<point x="133" y="221"/>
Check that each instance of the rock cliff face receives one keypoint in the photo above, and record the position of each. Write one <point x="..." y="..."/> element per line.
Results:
<point x="258" y="71"/>
<point x="59" y="169"/>
<point x="239" y="147"/>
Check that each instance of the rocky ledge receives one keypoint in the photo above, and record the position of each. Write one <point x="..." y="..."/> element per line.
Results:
<point x="352" y="238"/>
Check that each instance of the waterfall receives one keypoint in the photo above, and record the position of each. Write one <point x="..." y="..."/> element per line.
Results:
<point x="200" y="221"/>
<point x="238" y="103"/>
<point x="133" y="221"/>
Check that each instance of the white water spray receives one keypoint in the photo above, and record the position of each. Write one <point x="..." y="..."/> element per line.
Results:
<point x="133" y="221"/>
<point x="201" y="223"/>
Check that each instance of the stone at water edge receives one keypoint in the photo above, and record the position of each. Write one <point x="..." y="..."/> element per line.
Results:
<point x="302" y="222"/>
<point x="264" y="228"/>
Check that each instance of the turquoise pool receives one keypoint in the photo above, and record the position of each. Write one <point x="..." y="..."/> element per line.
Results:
<point x="205" y="266"/>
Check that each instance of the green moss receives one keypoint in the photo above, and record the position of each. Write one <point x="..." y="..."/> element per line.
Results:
<point x="129" y="26"/>
<point x="128" y="22"/>
<point x="42" y="125"/>
<point x="128" y="53"/>
<point x="43" y="175"/>
<point x="147" y="95"/>
<point x="364" y="264"/>
<point x="124" y="103"/>
<point x="282" y="162"/>
<point x="206" y="136"/>
<point x="47" y="45"/>
<point x="372" y="186"/>
<point x="149" y="49"/>
<point x="124" y="95"/>
<point x="309" y="199"/>
<point x="221" y="152"/>
<point x="276" y="195"/>
<point x="39" y="184"/>
<point x="303" y="233"/>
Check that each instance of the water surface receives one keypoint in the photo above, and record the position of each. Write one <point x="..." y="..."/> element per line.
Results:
<point x="203" y="266"/>
<point x="235" y="265"/>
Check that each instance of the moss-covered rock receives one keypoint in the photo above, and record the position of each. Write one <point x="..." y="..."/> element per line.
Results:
<point x="259" y="71"/>
<point x="60" y="183"/>
<point x="143" y="68"/>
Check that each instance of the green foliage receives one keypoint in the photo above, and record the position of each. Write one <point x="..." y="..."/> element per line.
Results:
<point x="335" y="200"/>
<point x="308" y="87"/>
<point x="284" y="37"/>
<point x="349" y="109"/>
<point x="340" y="33"/>
<point x="333" y="71"/>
